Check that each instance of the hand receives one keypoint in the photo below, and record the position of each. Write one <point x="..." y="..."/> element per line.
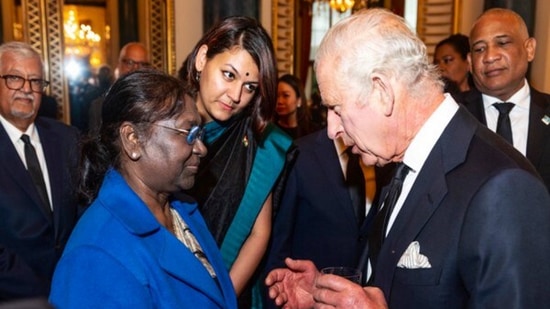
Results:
<point x="291" y="287"/>
<point x="332" y="291"/>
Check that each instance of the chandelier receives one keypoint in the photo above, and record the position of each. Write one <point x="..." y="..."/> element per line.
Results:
<point x="80" y="39"/>
<point x="341" y="5"/>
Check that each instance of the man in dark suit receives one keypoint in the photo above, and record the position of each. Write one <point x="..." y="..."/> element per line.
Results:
<point x="132" y="56"/>
<point x="316" y="219"/>
<point x="37" y="171"/>
<point x="501" y="52"/>
<point x="465" y="221"/>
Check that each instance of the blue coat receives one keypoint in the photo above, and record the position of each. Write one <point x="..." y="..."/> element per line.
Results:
<point x="119" y="256"/>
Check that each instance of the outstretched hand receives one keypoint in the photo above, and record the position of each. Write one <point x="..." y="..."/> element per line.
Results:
<point x="292" y="287"/>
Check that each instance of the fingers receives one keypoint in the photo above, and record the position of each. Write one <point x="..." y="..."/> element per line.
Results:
<point x="336" y="292"/>
<point x="333" y="282"/>
<point x="299" y="265"/>
<point x="273" y="276"/>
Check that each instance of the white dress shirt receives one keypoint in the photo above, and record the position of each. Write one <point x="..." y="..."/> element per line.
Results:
<point x="420" y="148"/>
<point x="519" y="115"/>
<point x="15" y="137"/>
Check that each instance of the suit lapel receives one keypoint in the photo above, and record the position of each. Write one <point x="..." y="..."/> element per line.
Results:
<point x="177" y="260"/>
<point x="474" y="103"/>
<point x="180" y="262"/>
<point x="538" y="130"/>
<point x="426" y="195"/>
<point x="51" y="146"/>
<point x="16" y="169"/>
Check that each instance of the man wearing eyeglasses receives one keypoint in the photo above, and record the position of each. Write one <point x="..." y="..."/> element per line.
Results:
<point x="132" y="56"/>
<point x="38" y="160"/>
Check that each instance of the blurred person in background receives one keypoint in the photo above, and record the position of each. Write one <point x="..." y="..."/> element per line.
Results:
<point x="291" y="112"/>
<point x="132" y="56"/>
<point x="451" y="57"/>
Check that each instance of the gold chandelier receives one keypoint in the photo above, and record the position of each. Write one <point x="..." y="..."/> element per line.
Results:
<point x="341" y="5"/>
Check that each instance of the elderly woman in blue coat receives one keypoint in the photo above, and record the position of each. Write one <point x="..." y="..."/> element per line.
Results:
<point x="136" y="247"/>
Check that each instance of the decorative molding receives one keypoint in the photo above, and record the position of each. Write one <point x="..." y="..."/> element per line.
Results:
<point x="283" y="27"/>
<point x="437" y="19"/>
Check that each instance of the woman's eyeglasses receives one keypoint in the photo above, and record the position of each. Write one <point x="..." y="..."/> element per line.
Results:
<point x="192" y="135"/>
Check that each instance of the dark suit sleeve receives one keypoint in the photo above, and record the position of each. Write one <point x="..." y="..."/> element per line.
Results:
<point x="284" y="222"/>
<point x="505" y="243"/>
<point x="17" y="279"/>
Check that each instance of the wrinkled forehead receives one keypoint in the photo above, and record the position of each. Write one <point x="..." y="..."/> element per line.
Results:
<point x="20" y="62"/>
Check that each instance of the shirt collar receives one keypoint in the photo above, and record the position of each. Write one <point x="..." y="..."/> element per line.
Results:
<point x="424" y="141"/>
<point x="15" y="134"/>
<point x="520" y="98"/>
<point x="340" y="146"/>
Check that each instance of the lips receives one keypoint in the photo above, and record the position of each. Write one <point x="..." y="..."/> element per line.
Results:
<point x="227" y="107"/>
<point x="493" y="72"/>
<point x="193" y="168"/>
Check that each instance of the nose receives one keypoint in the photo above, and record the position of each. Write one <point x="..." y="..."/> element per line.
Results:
<point x="26" y="86"/>
<point x="234" y="92"/>
<point x="334" y="124"/>
<point x="492" y="54"/>
<point x="199" y="148"/>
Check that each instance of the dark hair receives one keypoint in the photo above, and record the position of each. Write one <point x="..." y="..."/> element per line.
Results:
<point x="459" y="42"/>
<point x="303" y="115"/>
<point x="248" y="34"/>
<point x="141" y="97"/>
<point x="293" y="82"/>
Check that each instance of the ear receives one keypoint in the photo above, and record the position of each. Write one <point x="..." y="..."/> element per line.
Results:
<point x="469" y="58"/>
<point x="200" y="59"/>
<point x="382" y="91"/>
<point x="299" y="102"/>
<point x="530" y="47"/>
<point x="129" y="137"/>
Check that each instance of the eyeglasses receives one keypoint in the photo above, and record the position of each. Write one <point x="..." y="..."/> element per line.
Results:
<point x="132" y="64"/>
<point x="15" y="82"/>
<point x="193" y="134"/>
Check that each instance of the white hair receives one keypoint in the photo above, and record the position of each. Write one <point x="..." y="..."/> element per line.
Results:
<point x="377" y="41"/>
<point x="21" y="50"/>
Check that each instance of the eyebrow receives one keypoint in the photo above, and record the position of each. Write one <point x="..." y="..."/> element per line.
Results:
<point x="237" y="72"/>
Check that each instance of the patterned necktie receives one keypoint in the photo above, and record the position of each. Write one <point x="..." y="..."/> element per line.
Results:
<point x="355" y="181"/>
<point x="33" y="166"/>
<point x="504" y="127"/>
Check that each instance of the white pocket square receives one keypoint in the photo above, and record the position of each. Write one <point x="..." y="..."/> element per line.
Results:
<point x="412" y="259"/>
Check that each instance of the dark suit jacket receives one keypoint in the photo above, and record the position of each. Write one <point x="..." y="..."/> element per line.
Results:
<point x="32" y="240"/>
<point x="538" y="139"/>
<point x="316" y="220"/>
<point x="480" y="214"/>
